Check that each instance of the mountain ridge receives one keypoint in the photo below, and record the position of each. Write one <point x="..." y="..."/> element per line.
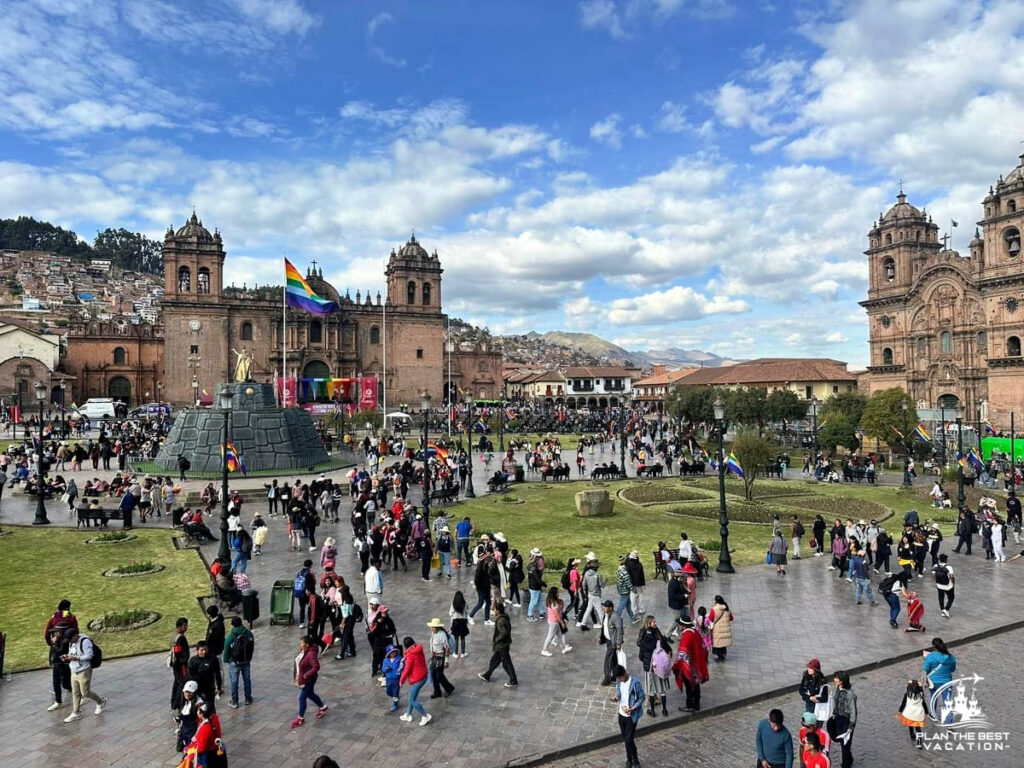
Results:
<point x="554" y="348"/>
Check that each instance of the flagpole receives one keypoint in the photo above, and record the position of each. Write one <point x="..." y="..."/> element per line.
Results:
<point x="449" y="387"/>
<point x="384" y="367"/>
<point x="282" y="390"/>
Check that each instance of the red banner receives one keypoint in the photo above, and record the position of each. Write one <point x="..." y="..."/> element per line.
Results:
<point x="368" y="393"/>
<point x="286" y="392"/>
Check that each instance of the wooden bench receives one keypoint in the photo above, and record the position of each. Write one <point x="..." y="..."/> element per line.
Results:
<point x="98" y="517"/>
<point x="494" y="485"/>
<point x="445" y="495"/>
<point x="228" y="601"/>
<point x="650" y="470"/>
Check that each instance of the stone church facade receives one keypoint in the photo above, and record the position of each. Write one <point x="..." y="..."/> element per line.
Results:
<point x="204" y="323"/>
<point x="948" y="328"/>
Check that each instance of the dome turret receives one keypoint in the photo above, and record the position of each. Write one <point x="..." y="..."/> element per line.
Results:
<point x="194" y="229"/>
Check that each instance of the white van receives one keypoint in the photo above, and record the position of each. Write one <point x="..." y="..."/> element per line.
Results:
<point x="98" y="407"/>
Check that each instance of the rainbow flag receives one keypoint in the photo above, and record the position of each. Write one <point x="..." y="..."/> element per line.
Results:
<point x="434" y="448"/>
<point x="234" y="460"/>
<point x="922" y="434"/>
<point x="975" y="460"/>
<point x="732" y="464"/>
<point x="990" y="430"/>
<point x="299" y="295"/>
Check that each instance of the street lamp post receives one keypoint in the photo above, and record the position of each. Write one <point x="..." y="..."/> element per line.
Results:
<point x="425" y="410"/>
<point x="813" y="410"/>
<point x="63" y="408"/>
<point x="961" y="497"/>
<point x="724" y="558"/>
<point x="622" y="442"/>
<point x="501" y="426"/>
<point x="223" y="553"/>
<point x="41" y="518"/>
<point x="470" y="493"/>
<point x="195" y="391"/>
<point x="906" y="447"/>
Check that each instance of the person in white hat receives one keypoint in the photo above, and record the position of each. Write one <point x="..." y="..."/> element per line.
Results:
<point x="440" y="646"/>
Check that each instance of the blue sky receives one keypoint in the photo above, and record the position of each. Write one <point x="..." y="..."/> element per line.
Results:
<point x="697" y="173"/>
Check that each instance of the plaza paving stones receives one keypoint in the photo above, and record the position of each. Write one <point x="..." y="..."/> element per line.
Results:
<point x="780" y="623"/>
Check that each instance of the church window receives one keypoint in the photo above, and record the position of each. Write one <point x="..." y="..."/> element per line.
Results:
<point x="982" y="341"/>
<point x="426" y="294"/>
<point x="410" y="291"/>
<point x="203" y="280"/>
<point x="922" y="347"/>
<point x="946" y="342"/>
<point x="184" y="280"/>
<point x="1013" y="346"/>
<point x="887" y="356"/>
<point x="917" y="235"/>
<point x="482" y="366"/>
<point x="890" y="270"/>
<point x="1012" y="239"/>
<point x="1012" y="206"/>
<point x="888" y="239"/>
<point x="375" y="335"/>
<point x="120" y="356"/>
<point x="246" y="332"/>
<point x="316" y="332"/>
<point x="419" y="354"/>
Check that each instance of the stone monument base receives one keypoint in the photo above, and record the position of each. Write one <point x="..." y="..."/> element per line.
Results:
<point x="267" y="437"/>
<point x="594" y="503"/>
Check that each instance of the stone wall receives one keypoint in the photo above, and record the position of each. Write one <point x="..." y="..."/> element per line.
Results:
<point x="268" y="437"/>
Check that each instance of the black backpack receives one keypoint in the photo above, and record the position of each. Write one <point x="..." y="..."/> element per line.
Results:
<point x="885" y="585"/>
<point x="941" y="574"/>
<point x="565" y="580"/>
<point x="357" y="612"/>
<point x="242" y="648"/>
<point x="97" y="654"/>
<point x="798" y="529"/>
<point x="245" y="542"/>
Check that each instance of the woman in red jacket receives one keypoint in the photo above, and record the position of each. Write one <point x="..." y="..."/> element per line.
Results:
<point x="204" y="751"/>
<point x="307" y="667"/>
<point x="415" y="675"/>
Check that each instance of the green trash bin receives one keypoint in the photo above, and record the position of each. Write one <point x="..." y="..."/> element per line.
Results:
<point x="281" y="598"/>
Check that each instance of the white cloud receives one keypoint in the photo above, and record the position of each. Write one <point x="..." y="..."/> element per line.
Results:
<point x="596" y="14"/>
<point x="613" y="15"/>
<point x="281" y="16"/>
<point x="374" y="47"/>
<point x="677" y="304"/>
<point x="607" y="131"/>
<point x="672" y="118"/>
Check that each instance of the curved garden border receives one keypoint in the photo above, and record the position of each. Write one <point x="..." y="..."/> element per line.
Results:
<point x="96" y="625"/>
<point x="131" y="537"/>
<point x="110" y="574"/>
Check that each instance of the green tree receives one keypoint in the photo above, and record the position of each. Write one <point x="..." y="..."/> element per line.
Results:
<point x="26" y="234"/>
<point x="838" y="430"/>
<point x="784" y="406"/>
<point x="753" y="453"/>
<point x="129" y="251"/>
<point x="748" y="407"/>
<point x="849" y="405"/>
<point x="692" y="405"/>
<point x="883" y="416"/>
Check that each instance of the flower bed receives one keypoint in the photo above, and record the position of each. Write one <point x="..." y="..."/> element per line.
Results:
<point x="739" y="511"/>
<point x="113" y="537"/>
<point x="124" y="621"/>
<point x="134" y="569"/>
<point x="763" y="489"/>
<point x="661" y="493"/>
<point x="842" y="507"/>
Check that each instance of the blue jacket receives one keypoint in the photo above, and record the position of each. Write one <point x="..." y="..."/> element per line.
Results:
<point x="636" y="699"/>
<point x="939" y="667"/>
<point x="392" y="668"/>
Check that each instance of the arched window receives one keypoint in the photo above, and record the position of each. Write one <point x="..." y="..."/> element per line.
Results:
<point x="184" y="280"/>
<point x="316" y="332"/>
<point x="246" y="332"/>
<point x="426" y="294"/>
<point x="1012" y="205"/>
<point x="1012" y="239"/>
<point x="203" y="280"/>
<point x="946" y="343"/>
<point x="120" y="356"/>
<point x="410" y="291"/>
<point x="982" y="341"/>
<point x="374" y="335"/>
<point x="887" y="356"/>
<point x="890" y="270"/>
<point x="1013" y="346"/>
<point x="888" y="239"/>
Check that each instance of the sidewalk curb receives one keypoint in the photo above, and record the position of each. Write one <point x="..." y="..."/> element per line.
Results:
<point x="528" y="761"/>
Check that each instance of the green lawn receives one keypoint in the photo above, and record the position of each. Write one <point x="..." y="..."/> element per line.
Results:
<point x="661" y="509"/>
<point x="42" y="566"/>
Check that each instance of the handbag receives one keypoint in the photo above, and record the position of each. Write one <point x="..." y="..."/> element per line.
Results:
<point x="768" y="557"/>
<point x="823" y="709"/>
<point x="813" y="543"/>
<point x="620" y="658"/>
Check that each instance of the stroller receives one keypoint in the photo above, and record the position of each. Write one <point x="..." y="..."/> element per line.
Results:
<point x="915" y="612"/>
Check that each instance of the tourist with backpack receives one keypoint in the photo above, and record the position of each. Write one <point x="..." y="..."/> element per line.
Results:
<point x="83" y="657"/>
<point x="945" y="584"/>
<point x="797" y="534"/>
<point x="238" y="652"/>
<point x="305" y="577"/>
<point x="656" y="658"/>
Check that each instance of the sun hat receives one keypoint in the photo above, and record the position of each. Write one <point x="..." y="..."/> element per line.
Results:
<point x="688" y="568"/>
<point x="500" y="537"/>
<point x="622" y="558"/>
<point x="435" y="623"/>
<point x="374" y="601"/>
<point x="591" y="556"/>
<point x="446" y="529"/>
<point x="535" y="552"/>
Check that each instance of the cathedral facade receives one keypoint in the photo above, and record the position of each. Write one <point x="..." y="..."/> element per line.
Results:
<point x="948" y="328"/>
<point x="205" y="324"/>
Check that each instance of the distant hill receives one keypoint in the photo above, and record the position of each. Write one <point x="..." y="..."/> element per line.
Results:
<point x="562" y="348"/>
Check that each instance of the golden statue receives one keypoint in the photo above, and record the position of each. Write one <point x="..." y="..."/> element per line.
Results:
<point x="243" y="367"/>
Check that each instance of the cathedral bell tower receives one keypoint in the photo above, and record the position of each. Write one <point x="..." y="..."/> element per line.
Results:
<point x="414" y="279"/>
<point x="193" y="263"/>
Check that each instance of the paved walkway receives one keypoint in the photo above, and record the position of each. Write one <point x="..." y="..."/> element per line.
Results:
<point x="780" y="623"/>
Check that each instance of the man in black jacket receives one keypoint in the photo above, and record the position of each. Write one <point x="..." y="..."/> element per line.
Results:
<point x="638" y="579"/>
<point x="215" y="631"/>
<point x="501" y="645"/>
<point x="179" y="662"/>
<point x="964" y="530"/>
<point x="677" y="600"/>
<point x="204" y="670"/>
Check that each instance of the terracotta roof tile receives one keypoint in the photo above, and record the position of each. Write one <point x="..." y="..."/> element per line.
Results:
<point x="770" y="370"/>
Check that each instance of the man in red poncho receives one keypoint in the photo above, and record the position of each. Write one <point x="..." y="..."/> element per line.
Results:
<point x="691" y="665"/>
